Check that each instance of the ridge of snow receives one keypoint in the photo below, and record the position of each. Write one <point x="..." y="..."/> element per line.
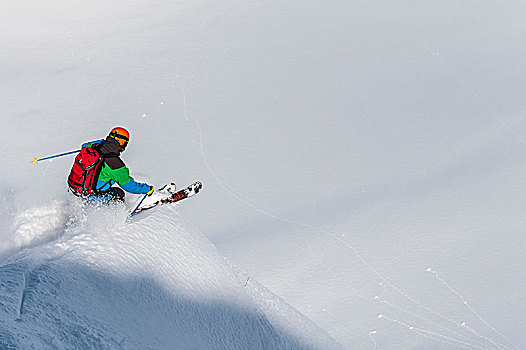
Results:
<point x="151" y="284"/>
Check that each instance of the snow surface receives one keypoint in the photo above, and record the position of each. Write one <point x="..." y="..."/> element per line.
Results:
<point x="361" y="160"/>
<point x="154" y="283"/>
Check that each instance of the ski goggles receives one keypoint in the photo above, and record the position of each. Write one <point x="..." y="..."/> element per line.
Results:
<point x="121" y="139"/>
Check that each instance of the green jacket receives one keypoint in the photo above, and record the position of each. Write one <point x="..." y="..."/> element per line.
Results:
<point x="114" y="170"/>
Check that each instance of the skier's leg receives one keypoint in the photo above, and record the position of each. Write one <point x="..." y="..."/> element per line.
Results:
<point x="117" y="194"/>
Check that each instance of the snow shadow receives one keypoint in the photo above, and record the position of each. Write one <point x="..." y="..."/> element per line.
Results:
<point x="64" y="305"/>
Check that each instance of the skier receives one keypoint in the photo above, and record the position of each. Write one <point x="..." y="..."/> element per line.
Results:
<point x="114" y="170"/>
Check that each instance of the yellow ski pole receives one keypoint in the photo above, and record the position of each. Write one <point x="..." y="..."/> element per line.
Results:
<point x="35" y="160"/>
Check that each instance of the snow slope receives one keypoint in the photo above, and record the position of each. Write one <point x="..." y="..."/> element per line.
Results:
<point x="154" y="283"/>
<point x="359" y="158"/>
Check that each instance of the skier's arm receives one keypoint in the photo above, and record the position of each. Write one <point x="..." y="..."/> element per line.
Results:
<point x="127" y="183"/>
<point x="91" y="143"/>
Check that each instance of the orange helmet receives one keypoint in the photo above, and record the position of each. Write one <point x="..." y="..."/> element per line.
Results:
<point x="121" y="135"/>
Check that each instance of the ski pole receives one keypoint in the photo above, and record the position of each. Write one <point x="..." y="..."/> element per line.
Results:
<point x="35" y="160"/>
<point x="137" y="207"/>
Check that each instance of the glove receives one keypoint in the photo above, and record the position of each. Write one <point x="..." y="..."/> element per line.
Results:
<point x="150" y="192"/>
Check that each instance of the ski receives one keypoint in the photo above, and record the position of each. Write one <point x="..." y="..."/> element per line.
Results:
<point x="167" y="194"/>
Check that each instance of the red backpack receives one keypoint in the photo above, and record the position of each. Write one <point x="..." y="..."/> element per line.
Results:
<point x="85" y="172"/>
